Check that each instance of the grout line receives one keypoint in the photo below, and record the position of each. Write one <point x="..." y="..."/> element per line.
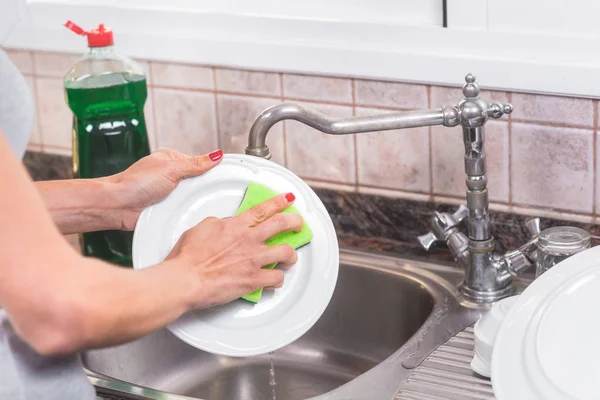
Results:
<point x="395" y="193"/>
<point x="510" y="174"/>
<point x="551" y="124"/>
<point x="327" y="181"/>
<point x="183" y="89"/>
<point x="462" y="198"/>
<point x="216" y="100"/>
<point x="430" y="146"/>
<point x="45" y="76"/>
<point x="37" y="112"/>
<point x="386" y="108"/>
<point x="283" y="127"/>
<point x="272" y="97"/>
<point x="398" y="190"/>
<point x="552" y="214"/>
<point x="355" y="136"/>
<point x="155" y="123"/>
<point x="551" y="209"/>
<point x="61" y="149"/>
<point x="346" y="187"/>
<point x="595" y="159"/>
<point x="34" y="70"/>
<point x="34" y="147"/>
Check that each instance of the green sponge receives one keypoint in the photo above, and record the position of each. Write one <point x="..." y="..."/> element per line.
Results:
<point x="256" y="194"/>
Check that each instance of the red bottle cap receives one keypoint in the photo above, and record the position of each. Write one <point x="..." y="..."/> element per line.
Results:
<point x="99" y="37"/>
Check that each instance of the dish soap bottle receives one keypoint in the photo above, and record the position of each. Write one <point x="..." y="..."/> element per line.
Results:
<point x="106" y="92"/>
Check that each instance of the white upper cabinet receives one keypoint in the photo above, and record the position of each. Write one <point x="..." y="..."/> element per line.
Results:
<point x="556" y="17"/>
<point x="523" y="45"/>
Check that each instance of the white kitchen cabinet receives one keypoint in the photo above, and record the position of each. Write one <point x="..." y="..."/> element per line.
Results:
<point x="536" y="45"/>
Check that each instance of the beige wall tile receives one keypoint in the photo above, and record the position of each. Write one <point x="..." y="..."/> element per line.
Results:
<point x="317" y="88"/>
<point x="22" y="59"/>
<point x="36" y="136"/>
<point x="393" y="159"/>
<point x="55" y="117"/>
<point x="249" y="82"/>
<point x="448" y="153"/>
<point x="236" y="116"/>
<point x="182" y="76"/>
<point x="552" y="167"/>
<point x="53" y="64"/>
<point x="146" y="67"/>
<point x="553" y="109"/>
<point x="390" y="94"/>
<point x="315" y="155"/>
<point x="185" y="121"/>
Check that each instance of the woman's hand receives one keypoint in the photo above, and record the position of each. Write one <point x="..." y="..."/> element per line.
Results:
<point x="224" y="257"/>
<point x="115" y="202"/>
<point x="153" y="178"/>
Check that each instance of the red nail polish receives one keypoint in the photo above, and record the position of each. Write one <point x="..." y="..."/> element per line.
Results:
<point x="290" y="197"/>
<point x="216" y="155"/>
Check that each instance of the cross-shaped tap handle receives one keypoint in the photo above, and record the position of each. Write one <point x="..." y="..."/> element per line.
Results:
<point x="533" y="227"/>
<point x="471" y="92"/>
<point x="496" y="110"/>
<point x="441" y="224"/>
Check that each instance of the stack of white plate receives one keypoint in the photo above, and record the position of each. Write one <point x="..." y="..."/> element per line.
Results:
<point x="548" y="346"/>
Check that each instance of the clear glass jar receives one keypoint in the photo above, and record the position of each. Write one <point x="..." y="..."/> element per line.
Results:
<point x="557" y="244"/>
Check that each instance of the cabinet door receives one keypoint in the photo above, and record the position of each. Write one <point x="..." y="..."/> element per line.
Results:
<point x="405" y="12"/>
<point x="556" y="17"/>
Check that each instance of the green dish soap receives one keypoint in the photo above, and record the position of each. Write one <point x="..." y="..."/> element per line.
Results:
<point x="106" y="92"/>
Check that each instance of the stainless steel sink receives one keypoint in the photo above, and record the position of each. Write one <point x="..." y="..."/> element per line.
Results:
<point x="386" y="315"/>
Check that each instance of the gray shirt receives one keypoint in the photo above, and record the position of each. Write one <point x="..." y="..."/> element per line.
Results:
<point x="25" y="374"/>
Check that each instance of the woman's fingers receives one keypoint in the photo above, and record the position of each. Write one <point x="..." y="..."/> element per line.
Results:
<point x="270" y="278"/>
<point x="283" y="254"/>
<point x="263" y="211"/>
<point x="277" y="224"/>
<point x="197" y="165"/>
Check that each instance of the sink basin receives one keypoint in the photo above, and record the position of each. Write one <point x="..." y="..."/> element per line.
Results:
<point x="375" y="310"/>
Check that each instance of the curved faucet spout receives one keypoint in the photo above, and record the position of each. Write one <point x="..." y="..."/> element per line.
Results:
<point x="340" y="126"/>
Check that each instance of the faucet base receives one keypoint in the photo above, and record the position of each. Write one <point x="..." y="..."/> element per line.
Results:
<point x="262" y="152"/>
<point x="481" y="297"/>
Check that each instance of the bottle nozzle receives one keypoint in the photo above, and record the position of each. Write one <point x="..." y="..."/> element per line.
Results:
<point x="75" y="28"/>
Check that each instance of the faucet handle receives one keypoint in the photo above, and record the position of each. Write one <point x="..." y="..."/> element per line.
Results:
<point x="442" y="226"/>
<point x="497" y="110"/>
<point x="533" y="227"/>
<point x="461" y="214"/>
<point x="427" y="240"/>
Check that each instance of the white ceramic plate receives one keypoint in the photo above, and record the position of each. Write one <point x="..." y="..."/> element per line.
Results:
<point x="548" y="347"/>
<point x="281" y="316"/>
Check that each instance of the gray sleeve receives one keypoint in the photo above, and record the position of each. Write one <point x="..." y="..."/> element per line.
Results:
<point x="16" y="105"/>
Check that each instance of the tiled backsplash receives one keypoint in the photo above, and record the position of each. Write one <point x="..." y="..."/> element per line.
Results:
<point x="541" y="160"/>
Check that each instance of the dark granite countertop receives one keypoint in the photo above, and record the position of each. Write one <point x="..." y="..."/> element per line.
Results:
<point x="364" y="221"/>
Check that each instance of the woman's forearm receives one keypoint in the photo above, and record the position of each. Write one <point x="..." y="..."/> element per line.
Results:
<point x="127" y="304"/>
<point x="84" y="205"/>
<point x="59" y="301"/>
<point x="87" y="304"/>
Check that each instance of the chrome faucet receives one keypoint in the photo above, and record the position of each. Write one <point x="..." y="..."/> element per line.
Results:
<point x="488" y="276"/>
